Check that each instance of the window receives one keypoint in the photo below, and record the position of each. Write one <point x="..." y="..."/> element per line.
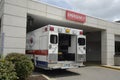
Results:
<point x="81" y="41"/>
<point x="53" y="39"/>
<point x="117" y="47"/>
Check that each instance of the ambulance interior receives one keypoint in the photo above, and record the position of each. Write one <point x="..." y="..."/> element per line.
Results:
<point x="67" y="47"/>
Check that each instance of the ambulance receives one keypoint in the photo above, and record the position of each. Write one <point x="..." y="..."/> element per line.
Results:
<point x="56" y="47"/>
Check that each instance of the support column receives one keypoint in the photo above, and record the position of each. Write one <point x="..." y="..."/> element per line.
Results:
<point x="108" y="48"/>
<point x="14" y="26"/>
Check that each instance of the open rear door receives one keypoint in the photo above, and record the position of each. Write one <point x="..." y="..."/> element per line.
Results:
<point x="81" y="48"/>
<point x="53" y="47"/>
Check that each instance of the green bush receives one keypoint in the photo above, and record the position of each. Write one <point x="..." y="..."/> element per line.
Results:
<point x="0" y="57"/>
<point x="23" y="64"/>
<point x="7" y="71"/>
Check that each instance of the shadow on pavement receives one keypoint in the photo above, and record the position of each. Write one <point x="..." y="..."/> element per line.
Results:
<point x="57" y="73"/>
<point x="92" y="63"/>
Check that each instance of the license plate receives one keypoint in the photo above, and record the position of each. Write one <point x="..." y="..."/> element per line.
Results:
<point x="66" y="65"/>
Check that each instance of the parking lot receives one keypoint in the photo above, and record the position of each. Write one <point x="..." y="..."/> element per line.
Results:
<point x="84" y="73"/>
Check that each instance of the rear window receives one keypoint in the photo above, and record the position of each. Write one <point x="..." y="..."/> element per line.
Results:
<point x="81" y="41"/>
<point x="53" y="39"/>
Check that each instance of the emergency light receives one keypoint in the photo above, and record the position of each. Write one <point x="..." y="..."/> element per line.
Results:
<point x="81" y="32"/>
<point x="51" y="28"/>
<point x="46" y="29"/>
<point x="67" y="30"/>
<point x="59" y="30"/>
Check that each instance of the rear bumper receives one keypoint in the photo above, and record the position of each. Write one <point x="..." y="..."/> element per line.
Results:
<point x="58" y="65"/>
<point x="65" y="65"/>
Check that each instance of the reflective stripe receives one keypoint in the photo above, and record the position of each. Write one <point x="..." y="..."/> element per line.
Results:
<point x="41" y="63"/>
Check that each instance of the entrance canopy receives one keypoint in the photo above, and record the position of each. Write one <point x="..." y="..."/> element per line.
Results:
<point x="40" y="21"/>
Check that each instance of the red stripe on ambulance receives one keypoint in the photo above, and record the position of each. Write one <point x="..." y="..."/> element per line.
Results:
<point x="37" y="52"/>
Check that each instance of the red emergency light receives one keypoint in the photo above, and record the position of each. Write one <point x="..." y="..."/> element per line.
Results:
<point x="51" y="28"/>
<point x="81" y="32"/>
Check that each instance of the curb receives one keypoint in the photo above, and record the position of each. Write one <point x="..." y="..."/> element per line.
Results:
<point x="111" y="67"/>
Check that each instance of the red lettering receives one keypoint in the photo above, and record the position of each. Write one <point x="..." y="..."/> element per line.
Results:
<point x="73" y="16"/>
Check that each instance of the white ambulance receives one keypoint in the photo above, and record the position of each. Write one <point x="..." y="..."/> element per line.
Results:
<point x="56" y="47"/>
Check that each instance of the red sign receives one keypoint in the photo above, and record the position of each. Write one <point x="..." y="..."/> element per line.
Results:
<point x="70" y="15"/>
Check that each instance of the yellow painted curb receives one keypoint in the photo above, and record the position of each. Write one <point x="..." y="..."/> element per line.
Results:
<point x="110" y="67"/>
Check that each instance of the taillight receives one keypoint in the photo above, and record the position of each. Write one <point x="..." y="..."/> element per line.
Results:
<point x="51" y="28"/>
<point x="81" y="32"/>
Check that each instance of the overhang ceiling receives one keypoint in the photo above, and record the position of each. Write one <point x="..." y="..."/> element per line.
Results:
<point x="40" y="21"/>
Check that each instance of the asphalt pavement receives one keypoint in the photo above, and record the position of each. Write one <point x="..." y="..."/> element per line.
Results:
<point x="84" y="73"/>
